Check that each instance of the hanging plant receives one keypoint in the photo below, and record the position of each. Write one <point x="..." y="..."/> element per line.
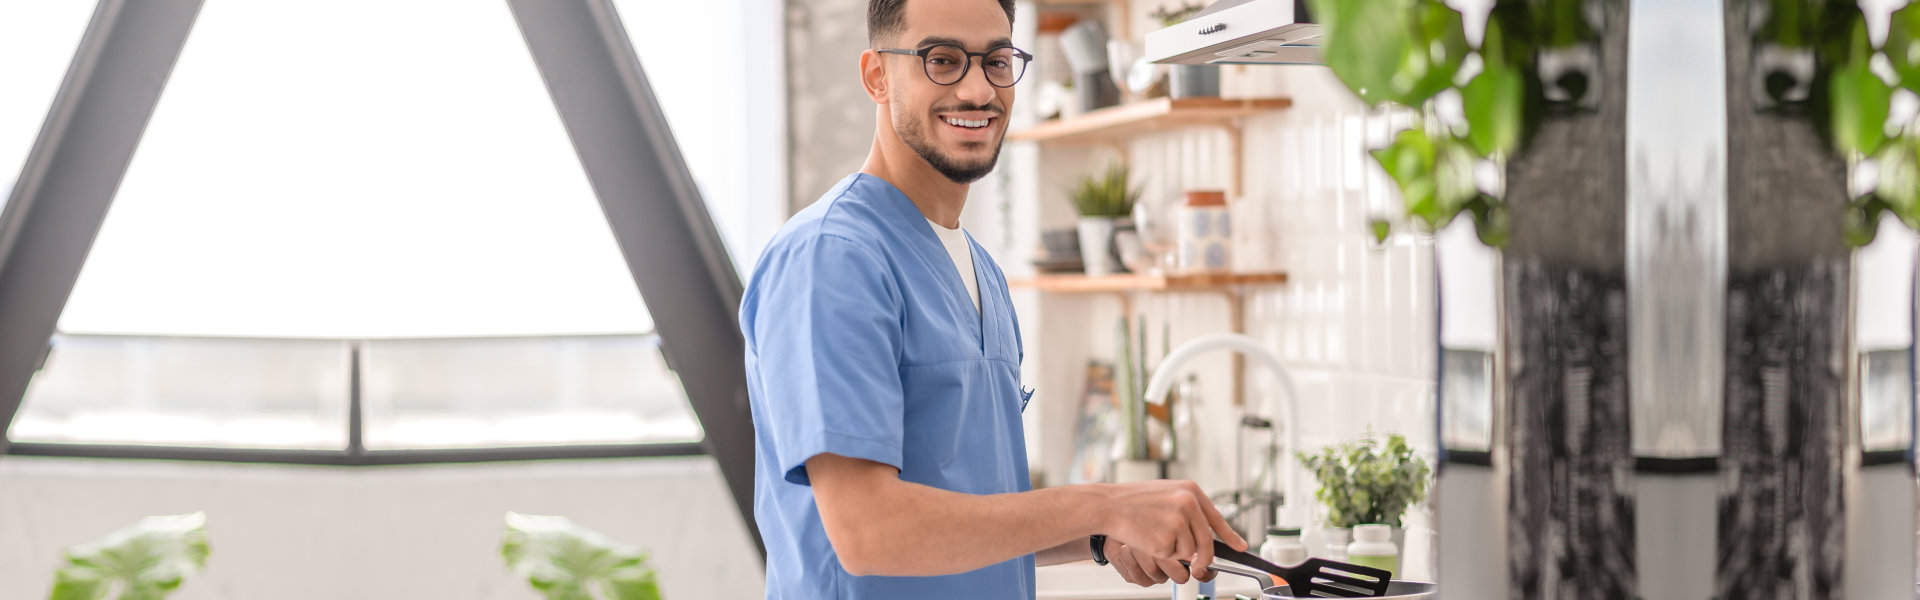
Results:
<point x="1858" y="108"/>
<point x="1405" y="54"/>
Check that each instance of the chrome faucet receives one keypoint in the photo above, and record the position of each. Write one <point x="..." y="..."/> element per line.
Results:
<point x="1164" y="375"/>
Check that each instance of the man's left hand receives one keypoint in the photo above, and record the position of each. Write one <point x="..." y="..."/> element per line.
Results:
<point x="1139" y="568"/>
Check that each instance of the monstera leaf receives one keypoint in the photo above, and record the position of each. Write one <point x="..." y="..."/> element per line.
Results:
<point x="565" y="561"/>
<point x="144" y="561"/>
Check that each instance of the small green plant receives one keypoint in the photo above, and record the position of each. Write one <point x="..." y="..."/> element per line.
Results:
<point x="1106" y="195"/>
<point x="1175" y="16"/>
<point x="1360" y="484"/>
<point x="565" y="561"/>
<point x="143" y="561"/>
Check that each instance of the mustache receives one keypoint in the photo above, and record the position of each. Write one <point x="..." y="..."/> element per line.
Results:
<point x="992" y="108"/>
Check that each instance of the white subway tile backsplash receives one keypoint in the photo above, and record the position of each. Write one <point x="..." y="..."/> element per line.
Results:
<point x="1380" y="330"/>
<point x="1400" y="309"/>
<point x="1314" y="346"/>
<point x="1354" y="324"/>
<point x="1352" y="155"/>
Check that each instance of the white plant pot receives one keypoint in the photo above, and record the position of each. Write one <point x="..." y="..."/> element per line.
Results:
<point x="1096" y="245"/>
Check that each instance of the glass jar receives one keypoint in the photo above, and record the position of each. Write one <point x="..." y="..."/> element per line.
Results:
<point x="1206" y="233"/>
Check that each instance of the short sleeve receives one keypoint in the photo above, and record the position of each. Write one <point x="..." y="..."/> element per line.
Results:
<point x="824" y="338"/>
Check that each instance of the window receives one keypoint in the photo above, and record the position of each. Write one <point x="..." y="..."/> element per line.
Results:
<point x="1884" y="286"/>
<point x="521" y="391"/>
<point x="289" y="394"/>
<point x="37" y="40"/>
<point x="328" y="208"/>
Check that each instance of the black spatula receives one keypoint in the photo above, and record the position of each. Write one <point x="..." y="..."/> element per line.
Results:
<point x="1316" y="578"/>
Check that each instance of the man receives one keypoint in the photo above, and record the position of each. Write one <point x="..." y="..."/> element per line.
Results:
<point x="883" y="361"/>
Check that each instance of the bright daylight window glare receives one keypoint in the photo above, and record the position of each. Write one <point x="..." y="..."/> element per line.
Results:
<point x="37" y="40"/>
<point x="318" y="185"/>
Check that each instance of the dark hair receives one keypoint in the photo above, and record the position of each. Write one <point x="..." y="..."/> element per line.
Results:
<point x="884" y="18"/>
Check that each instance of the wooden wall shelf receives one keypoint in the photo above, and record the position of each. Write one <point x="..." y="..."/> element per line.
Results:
<point x="1117" y="123"/>
<point x="1114" y="125"/>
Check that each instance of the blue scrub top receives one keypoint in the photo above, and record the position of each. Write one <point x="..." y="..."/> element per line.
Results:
<point x="862" y="341"/>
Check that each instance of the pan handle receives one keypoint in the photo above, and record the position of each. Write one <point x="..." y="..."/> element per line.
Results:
<point x="1265" y="580"/>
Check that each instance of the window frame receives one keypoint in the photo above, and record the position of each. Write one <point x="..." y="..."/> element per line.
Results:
<point x="606" y="105"/>
<point x="355" y="452"/>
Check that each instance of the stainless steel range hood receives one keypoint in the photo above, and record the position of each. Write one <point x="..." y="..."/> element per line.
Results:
<point x="1244" y="32"/>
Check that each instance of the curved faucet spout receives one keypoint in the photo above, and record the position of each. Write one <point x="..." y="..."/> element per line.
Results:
<point x="1169" y="369"/>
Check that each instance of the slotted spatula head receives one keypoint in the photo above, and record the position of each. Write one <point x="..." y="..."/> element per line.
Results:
<point x="1318" y="577"/>
<point x="1322" y="578"/>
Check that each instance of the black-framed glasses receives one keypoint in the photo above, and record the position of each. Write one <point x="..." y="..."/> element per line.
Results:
<point x="947" y="64"/>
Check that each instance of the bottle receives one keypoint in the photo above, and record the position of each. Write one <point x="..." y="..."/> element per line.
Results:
<point x="1373" y="546"/>
<point x="1283" y="546"/>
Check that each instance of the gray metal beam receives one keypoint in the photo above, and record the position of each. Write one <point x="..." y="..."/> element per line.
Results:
<point x="658" y="219"/>
<point x="73" y="171"/>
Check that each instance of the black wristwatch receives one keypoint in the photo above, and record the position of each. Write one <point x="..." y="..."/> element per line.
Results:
<point x="1099" y="549"/>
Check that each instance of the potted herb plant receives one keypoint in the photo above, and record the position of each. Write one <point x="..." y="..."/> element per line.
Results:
<point x="1362" y="483"/>
<point x="1101" y="201"/>
<point x="144" y="561"/>
<point x="1187" y="81"/>
<point x="565" y="561"/>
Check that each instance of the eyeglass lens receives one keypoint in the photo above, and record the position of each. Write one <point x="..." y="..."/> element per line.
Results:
<point x="946" y="64"/>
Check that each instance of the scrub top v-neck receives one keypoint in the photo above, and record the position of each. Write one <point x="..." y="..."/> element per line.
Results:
<point x="960" y="250"/>
<point x="863" y="341"/>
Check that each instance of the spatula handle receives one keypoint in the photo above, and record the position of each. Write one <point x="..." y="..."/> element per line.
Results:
<point x="1223" y="551"/>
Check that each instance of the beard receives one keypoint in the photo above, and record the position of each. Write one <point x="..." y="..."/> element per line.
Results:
<point x="914" y="133"/>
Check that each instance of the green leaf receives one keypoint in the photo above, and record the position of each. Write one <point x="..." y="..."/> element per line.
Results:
<point x="1490" y="221"/>
<point x="146" y="560"/>
<point x="1452" y="180"/>
<point x="1899" y="180"/>
<point x="1380" y="228"/>
<point x="1409" y="161"/>
<point x="563" y="560"/>
<point x="1359" y="484"/>
<point x="1862" y="221"/>
<point x="1860" y="100"/>
<point x="1401" y="51"/>
<point x="1106" y="195"/>
<point x="1365" y="42"/>
<point x="1903" y="45"/>
<point x="1493" y="102"/>
<point x="1439" y="47"/>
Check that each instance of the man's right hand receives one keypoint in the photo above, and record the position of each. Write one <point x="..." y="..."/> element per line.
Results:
<point x="1168" y="520"/>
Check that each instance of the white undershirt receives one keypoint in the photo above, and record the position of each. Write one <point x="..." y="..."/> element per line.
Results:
<point x="956" y="242"/>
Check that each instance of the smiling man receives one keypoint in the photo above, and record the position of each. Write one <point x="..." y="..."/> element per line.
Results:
<point x="883" y="361"/>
